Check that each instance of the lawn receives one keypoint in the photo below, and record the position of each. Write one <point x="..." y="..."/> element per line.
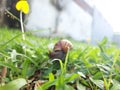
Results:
<point x="86" y="67"/>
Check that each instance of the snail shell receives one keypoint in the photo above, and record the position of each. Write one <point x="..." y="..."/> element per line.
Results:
<point x="63" y="45"/>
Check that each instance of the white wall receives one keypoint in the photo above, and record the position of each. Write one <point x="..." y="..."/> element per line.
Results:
<point x="75" y="22"/>
<point x="100" y="28"/>
<point x="72" y="20"/>
<point x="42" y="16"/>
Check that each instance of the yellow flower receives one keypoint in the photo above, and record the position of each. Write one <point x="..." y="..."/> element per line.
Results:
<point x="23" y="6"/>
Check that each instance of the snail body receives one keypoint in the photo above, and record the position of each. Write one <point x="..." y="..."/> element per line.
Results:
<point x="60" y="49"/>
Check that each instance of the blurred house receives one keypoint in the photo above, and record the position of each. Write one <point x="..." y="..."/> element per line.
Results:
<point x="75" y="18"/>
<point x="100" y="28"/>
<point x="68" y="19"/>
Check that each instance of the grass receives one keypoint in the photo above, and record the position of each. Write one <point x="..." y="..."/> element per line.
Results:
<point x="86" y="66"/>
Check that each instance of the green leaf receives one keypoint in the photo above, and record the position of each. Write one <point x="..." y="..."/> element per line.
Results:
<point x="46" y="85"/>
<point x="66" y="61"/>
<point x="104" y="68"/>
<point x="3" y="45"/>
<point x="14" y="85"/>
<point x="68" y="87"/>
<point x="60" y="84"/>
<point x="81" y="74"/>
<point x="51" y="77"/>
<point x="97" y="75"/>
<point x="104" y="41"/>
<point x="61" y="65"/>
<point x="98" y="83"/>
<point x="29" y="58"/>
<point x="70" y="78"/>
<point x="116" y="85"/>
<point x="25" y="68"/>
<point x="106" y="84"/>
<point x="13" y="55"/>
<point x="80" y="86"/>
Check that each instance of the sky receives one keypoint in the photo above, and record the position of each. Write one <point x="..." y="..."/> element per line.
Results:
<point x="110" y="9"/>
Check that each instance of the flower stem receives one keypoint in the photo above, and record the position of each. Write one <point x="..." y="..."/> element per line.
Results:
<point x="22" y="28"/>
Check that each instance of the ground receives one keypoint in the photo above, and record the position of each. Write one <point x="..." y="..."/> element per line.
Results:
<point x="86" y="67"/>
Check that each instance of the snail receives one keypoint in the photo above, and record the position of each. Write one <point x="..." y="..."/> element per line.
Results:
<point x="60" y="49"/>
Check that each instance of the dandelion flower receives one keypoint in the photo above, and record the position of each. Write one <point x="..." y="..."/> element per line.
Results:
<point x="23" y="6"/>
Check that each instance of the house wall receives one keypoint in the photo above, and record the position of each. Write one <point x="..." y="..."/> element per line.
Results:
<point x="71" y="20"/>
<point x="75" y="22"/>
<point x="100" y="28"/>
<point x="116" y="39"/>
<point x="42" y="17"/>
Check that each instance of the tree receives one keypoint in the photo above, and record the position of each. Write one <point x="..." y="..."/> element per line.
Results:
<point x="2" y="12"/>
